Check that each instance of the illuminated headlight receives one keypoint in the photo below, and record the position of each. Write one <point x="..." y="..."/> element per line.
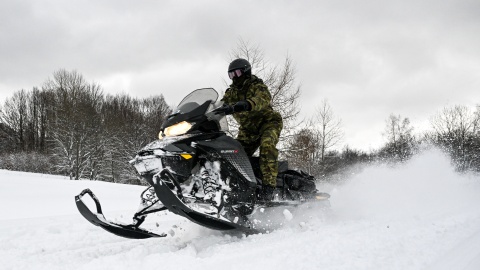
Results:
<point x="177" y="129"/>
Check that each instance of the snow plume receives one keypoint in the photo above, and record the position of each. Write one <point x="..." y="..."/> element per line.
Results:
<point x="425" y="186"/>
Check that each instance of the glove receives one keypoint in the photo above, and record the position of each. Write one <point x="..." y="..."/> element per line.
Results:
<point x="225" y="109"/>
<point x="240" y="106"/>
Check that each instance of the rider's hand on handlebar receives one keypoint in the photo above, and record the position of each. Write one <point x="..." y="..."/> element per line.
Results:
<point x="225" y="109"/>
<point x="240" y="106"/>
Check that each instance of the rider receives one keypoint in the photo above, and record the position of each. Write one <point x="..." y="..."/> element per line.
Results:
<point x="249" y="100"/>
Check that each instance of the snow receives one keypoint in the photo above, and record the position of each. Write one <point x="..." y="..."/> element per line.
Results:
<point x="418" y="216"/>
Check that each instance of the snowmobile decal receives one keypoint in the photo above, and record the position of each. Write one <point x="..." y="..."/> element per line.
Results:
<point x="229" y="151"/>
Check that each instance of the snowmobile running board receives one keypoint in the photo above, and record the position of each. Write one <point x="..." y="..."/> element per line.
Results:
<point x="98" y="219"/>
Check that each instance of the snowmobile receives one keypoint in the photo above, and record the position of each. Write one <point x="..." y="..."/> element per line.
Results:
<point x="197" y="171"/>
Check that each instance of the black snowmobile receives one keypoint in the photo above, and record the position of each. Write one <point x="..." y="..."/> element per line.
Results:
<point x="196" y="171"/>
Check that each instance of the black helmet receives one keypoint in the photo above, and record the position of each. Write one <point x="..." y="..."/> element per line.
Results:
<point x="239" y="64"/>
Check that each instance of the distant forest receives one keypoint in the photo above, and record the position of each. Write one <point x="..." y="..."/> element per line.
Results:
<point x="70" y="127"/>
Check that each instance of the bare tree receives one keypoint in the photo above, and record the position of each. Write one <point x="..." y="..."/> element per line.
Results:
<point x="456" y="131"/>
<point x="328" y="128"/>
<point x="254" y="54"/>
<point x="7" y="138"/>
<point x="128" y="125"/>
<point x="400" y="140"/>
<point x="14" y="115"/>
<point x="310" y="147"/>
<point x="76" y="128"/>
<point x="457" y="120"/>
<point x="303" y="151"/>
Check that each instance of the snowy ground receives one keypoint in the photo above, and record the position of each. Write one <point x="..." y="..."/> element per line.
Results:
<point x="419" y="216"/>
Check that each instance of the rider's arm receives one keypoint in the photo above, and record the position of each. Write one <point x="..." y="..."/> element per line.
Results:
<point x="226" y="96"/>
<point x="261" y="97"/>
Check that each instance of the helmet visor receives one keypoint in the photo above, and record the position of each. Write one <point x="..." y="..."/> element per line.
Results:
<point x="235" y="73"/>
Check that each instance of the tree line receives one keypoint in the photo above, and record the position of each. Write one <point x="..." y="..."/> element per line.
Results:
<point x="455" y="130"/>
<point x="69" y="127"/>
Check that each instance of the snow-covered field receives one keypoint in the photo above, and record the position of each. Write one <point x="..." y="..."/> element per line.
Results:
<point x="419" y="216"/>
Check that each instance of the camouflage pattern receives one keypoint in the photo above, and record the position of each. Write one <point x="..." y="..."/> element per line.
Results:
<point x="259" y="127"/>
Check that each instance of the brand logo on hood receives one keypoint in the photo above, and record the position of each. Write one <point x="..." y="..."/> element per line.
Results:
<point x="228" y="151"/>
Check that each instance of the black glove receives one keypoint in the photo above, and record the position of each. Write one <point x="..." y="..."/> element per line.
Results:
<point x="240" y="106"/>
<point x="226" y="109"/>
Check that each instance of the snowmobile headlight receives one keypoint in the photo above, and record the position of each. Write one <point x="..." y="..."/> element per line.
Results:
<point x="177" y="129"/>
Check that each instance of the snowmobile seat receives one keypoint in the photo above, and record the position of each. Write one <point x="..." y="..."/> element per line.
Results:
<point x="296" y="180"/>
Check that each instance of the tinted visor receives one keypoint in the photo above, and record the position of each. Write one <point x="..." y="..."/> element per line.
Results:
<point x="235" y="73"/>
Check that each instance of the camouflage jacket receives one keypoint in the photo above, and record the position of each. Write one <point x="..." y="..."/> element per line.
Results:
<point x="256" y="93"/>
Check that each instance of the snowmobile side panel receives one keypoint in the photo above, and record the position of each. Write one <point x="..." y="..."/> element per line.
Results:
<point x="127" y="231"/>
<point x="231" y="150"/>
<point x="177" y="206"/>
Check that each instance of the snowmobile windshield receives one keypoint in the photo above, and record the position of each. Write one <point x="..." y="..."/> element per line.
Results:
<point x="196" y="99"/>
<point x="192" y="112"/>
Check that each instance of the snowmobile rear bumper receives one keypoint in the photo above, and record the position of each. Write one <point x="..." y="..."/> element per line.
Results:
<point x="98" y="219"/>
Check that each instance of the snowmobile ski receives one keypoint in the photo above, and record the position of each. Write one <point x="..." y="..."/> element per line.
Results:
<point x="128" y="231"/>
<point x="177" y="206"/>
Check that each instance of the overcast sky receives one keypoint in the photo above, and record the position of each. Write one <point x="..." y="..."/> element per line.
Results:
<point x="368" y="58"/>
